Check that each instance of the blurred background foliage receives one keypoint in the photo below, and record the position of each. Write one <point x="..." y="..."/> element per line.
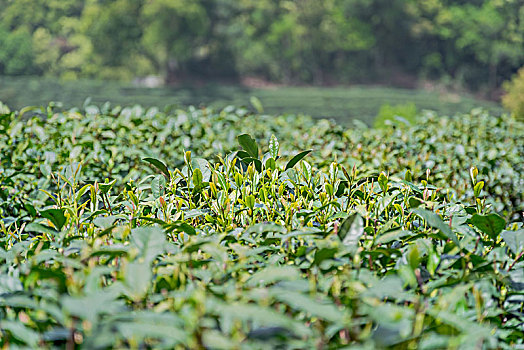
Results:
<point x="475" y="44"/>
<point x="513" y="100"/>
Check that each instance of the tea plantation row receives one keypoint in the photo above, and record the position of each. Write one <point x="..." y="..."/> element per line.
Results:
<point x="342" y="103"/>
<point x="135" y="228"/>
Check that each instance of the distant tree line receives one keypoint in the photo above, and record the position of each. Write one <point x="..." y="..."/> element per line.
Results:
<point x="476" y="43"/>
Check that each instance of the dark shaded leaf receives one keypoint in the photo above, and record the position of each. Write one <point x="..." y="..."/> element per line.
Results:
<point x="56" y="216"/>
<point x="159" y="165"/>
<point x="297" y="159"/>
<point x="248" y="144"/>
<point x="491" y="224"/>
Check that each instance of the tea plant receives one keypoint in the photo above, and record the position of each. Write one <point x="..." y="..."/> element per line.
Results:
<point x="129" y="228"/>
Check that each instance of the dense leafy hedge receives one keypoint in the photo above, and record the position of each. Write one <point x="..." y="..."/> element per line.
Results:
<point x="112" y="141"/>
<point x="139" y="228"/>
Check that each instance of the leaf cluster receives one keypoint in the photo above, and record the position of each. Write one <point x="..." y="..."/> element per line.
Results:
<point x="139" y="239"/>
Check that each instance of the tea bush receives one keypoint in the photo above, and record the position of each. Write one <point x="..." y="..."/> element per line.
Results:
<point x="127" y="227"/>
<point x="342" y="103"/>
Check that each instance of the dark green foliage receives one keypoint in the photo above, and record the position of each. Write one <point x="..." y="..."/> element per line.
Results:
<point x="340" y="103"/>
<point x="473" y="44"/>
<point x="16" y="55"/>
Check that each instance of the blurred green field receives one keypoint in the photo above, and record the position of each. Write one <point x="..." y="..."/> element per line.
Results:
<point x="339" y="103"/>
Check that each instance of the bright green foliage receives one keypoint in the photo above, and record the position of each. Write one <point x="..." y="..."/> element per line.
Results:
<point x="514" y="98"/>
<point x="438" y="144"/>
<point x="406" y="113"/>
<point x="125" y="227"/>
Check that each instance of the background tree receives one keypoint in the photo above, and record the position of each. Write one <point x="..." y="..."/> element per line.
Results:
<point x="174" y="33"/>
<point x="476" y="44"/>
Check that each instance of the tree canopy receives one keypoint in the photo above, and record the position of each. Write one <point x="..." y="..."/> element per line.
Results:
<point x="475" y="43"/>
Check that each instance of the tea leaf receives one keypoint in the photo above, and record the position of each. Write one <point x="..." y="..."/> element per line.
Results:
<point x="297" y="159"/>
<point x="249" y="145"/>
<point x="159" y="165"/>
<point x="491" y="224"/>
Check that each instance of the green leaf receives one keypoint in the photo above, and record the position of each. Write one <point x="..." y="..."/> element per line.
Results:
<point x="351" y="229"/>
<point x="480" y="331"/>
<point x="92" y="306"/>
<point x="478" y="187"/>
<point x="41" y="272"/>
<point x="397" y="319"/>
<point x="413" y="256"/>
<point x="491" y="224"/>
<point x="138" y="277"/>
<point x="39" y="228"/>
<point x="149" y="325"/>
<point x="255" y="102"/>
<point x="248" y="144"/>
<point x="193" y="213"/>
<point x="435" y="221"/>
<point x="263" y="227"/>
<point x="260" y="315"/>
<point x="158" y="186"/>
<point x="9" y="284"/>
<point x="45" y="169"/>
<point x="383" y="182"/>
<point x="383" y="203"/>
<point x="250" y="201"/>
<point x="433" y="262"/>
<point x="149" y="241"/>
<point x="180" y="227"/>
<point x="213" y="339"/>
<point x="514" y="240"/>
<point x="257" y="162"/>
<point x="30" y="209"/>
<point x="159" y="165"/>
<point x="111" y="251"/>
<point x="297" y="159"/>
<point x="105" y="187"/>
<point x="21" y="332"/>
<point x="390" y="286"/>
<point x="393" y="236"/>
<point x="414" y="202"/>
<point x="56" y="216"/>
<point x="324" y="254"/>
<point x="81" y="192"/>
<point x="270" y="164"/>
<point x="197" y="179"/>
<point x="243" y="154"/>
<point x="323" y="310"/>
<point x="273" y="147"/>
<point x="105" y="221"/>
<point x="272" y="274"/>
<point x="408" y="176"/>
<point x="203" y="166"/>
